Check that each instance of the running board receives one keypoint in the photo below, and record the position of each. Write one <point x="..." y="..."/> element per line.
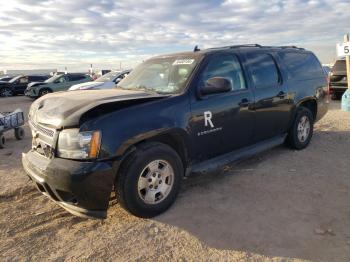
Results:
<point x="239" y="154"/>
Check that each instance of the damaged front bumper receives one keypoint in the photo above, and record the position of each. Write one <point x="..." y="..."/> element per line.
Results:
<point x="82" y="188"/>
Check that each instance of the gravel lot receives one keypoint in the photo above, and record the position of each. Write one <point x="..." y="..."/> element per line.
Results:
<point x="278" y="206"/>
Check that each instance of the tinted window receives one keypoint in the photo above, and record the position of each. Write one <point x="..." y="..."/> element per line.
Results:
<point x="339" y="65"/>
<point x="75" y="77"/>
<point x="37" y="78"/>
<point x="23" y="80"/>
<point x="263" y="69"/>
<point x="226" y="66"/>
<point x="302" y="65"/>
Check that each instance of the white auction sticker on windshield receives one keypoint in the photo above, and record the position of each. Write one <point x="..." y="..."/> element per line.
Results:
<point x="183" y="62"/>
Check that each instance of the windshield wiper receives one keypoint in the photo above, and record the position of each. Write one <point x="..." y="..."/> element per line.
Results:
<point x="140" y="88"/>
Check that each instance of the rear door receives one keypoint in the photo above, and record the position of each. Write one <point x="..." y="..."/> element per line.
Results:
<point x="272" y="105"/>
<point x="221" y="122"/>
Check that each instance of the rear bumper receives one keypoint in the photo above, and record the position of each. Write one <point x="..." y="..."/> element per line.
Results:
<point x="82" y="188"/>
<point x="338" y="88"/>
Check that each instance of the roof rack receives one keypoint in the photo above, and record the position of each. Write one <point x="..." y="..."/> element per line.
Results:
<point x="291" y="46"/>
<point x="245" y="45"/>
<point x="255" y="45"/>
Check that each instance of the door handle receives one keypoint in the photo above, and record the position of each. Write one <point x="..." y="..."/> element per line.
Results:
<point x="244" y="102"/>
<point x="281" y="94"/>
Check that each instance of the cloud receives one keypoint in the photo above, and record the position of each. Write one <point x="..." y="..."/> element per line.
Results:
<point x="52" y="33"/>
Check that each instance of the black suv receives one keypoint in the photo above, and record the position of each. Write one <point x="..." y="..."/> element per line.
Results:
<point x="18" y="84"/>
<point x="172" y="116"/>
<point x="338" y="82"/>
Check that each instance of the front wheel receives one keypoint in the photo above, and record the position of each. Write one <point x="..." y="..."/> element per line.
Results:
<point x="301" y="132"/>
<point x="149" y="180"/>
<point x="5" y="92"/>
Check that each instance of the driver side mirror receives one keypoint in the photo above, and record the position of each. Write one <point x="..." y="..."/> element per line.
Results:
<point x="216" y="85"/>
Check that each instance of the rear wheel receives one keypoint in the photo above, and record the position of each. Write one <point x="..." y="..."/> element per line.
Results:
<point x="19" y="133"/>
<point x="149" y="180"/>
<point x="2" y="140"/>
<point x="301" y="132"/>
<point x="5" y="92"/>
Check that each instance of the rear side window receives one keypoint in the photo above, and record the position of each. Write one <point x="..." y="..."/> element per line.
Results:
<point x="263" y="69"/>
<point x="339" y="66"/>
<point x="302" y="65"/>
<point x="75" y="77"/>
<point x="36" y="78"/>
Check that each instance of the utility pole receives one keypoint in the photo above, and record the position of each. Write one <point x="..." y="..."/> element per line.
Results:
<point x="345" y="101"/>
<point x="347" y="58"/>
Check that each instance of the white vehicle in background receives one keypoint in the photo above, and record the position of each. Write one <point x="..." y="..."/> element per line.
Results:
<point x="106" y="81"/>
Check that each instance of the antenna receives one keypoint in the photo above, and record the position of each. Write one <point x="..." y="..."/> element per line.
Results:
<point x="196" y="49"/>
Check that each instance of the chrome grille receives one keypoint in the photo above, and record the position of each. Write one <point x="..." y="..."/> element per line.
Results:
<point x="41" y="129"/>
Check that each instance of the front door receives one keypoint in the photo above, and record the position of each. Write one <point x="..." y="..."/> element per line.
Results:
<point x="21" y="85"/>
<point x="221" y="122"/>
<point x="272" y="106"/>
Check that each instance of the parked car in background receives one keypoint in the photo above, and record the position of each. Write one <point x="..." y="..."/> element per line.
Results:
<point x="5" y="78"/>
<point x="106" y="81"/>
<point x="56" y="83"/>
<point x="327" y="70"/>
<point x="338" y="82"/>
<point x="18" y="84"/>
<point x="173" y="115"/>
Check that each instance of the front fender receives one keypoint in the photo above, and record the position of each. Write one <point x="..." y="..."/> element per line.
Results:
<point x="131" y="125"/>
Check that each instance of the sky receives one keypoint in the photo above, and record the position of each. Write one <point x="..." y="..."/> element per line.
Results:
<point x="37" y="34"/>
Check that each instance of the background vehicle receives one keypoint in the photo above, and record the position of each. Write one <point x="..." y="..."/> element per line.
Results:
<point x="18" y="84"/>
<point x="327" y="70"/>
<point x="106" y="81"/>
<point x="173" y="115"/>
<point x="5" y="78"/>
<point x="56" y="83"/>
<point x="338" y="82"/>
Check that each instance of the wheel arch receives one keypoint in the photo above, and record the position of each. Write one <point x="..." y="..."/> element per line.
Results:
<point x="174" y="138"/>
<point x="310" y="103"/>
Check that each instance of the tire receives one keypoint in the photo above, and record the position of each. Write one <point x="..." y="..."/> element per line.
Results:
<point x="300" y="135"/>
<point x="19" y="133"/>
<point x="44" y="91"/>
<point x="6" y="92"/>
<point x="2" y="141"/>
<point x="336" y="96"/>
<point x="134" y="188"/>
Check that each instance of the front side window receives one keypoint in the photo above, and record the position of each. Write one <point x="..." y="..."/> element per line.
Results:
<point x="23" y="80"/>
<point x="226" y="66"/>
<point x="263" y="70"/>
<point x="166" y="75"/>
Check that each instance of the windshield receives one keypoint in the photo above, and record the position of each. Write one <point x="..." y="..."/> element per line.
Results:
<point x="52" y="79"/>
<point x="166" y="75"/>
<point x="14" y="79"/>
<point x="108" y="77"/>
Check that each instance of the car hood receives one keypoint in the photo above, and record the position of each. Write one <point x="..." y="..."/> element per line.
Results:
<point x="86" y="85"/>
<point x="32" y="84"/>
<point x="64" y="109"/>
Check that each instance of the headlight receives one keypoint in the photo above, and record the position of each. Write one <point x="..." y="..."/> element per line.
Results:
<point x="79" y="145"/>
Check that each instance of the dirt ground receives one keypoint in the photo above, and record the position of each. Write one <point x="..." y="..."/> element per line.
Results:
<point x="278" y="206"/>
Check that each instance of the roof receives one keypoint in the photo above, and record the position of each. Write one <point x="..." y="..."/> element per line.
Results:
<point x="198" y="52"/>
